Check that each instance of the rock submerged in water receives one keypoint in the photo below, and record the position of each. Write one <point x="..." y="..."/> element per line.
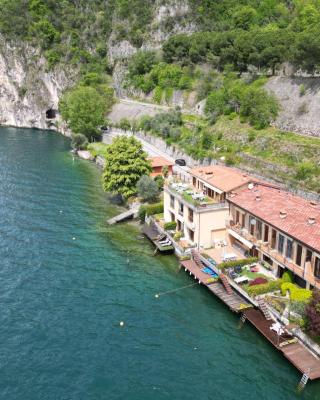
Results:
<point x="85" y="154"/>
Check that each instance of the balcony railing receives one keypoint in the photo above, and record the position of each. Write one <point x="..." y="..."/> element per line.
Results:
<point x="267" y="248"/>
<point x="198" y="205"/>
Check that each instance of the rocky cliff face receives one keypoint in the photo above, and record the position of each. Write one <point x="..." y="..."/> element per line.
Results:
<point x="27" y="89"/>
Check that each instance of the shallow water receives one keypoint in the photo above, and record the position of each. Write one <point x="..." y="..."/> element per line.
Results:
<point x="61" y="300"/>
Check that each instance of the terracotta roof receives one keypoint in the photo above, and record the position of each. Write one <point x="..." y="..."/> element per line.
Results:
<point x="159" y="162"/>
<point x="293" y="215"/>
<point x="222" y="178"/>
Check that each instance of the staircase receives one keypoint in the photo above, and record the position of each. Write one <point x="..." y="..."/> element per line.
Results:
<point x="264" y="309"/>
<point x="196" y="258"/>
<point x="226" y="283"/>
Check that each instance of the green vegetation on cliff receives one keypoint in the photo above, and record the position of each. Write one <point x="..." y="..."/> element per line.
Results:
<point x="262" y="33"/>
<point x="268" y="152"/>
<point x="85" y="106"/>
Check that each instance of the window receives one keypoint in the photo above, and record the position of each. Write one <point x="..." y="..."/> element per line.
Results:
<point x="172" y="217"/>
<point x="171" y="201"/>
<point x="289" y="249"/>
<point x="299" y="255"/>
<point x="252" y="224"/>
<point x="266" y="233"/>
<point x="317" y="268"/>
<point x="180" y="208"/>
<point x="243" y="221"/>
<point x="190" y="215"/>
<point x="280" y="244"/>
<point x="194" y="182"/>
<point x="309" y="255"/>
<point x="191" y="235"/>
<point x="273" y="238"/>
<point x="237" y="217"/>
<point x="259" y="229"/>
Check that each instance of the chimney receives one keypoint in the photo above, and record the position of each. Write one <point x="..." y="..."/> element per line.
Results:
<point x="258" y="197"/>
<point x="283" y="214"/>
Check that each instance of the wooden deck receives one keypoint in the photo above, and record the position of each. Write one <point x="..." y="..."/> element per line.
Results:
<point x="295" y="351"/>
<point x="123" y="216"/>
<point x="235" y="302"/>
<point x="298" y="354"/>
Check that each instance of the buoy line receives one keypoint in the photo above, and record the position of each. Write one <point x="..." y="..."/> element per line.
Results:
<point x="157" y="295"/>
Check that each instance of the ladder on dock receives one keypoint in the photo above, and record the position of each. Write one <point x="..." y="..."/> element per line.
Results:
<point x="226" y="283"/>
<point x="123" y="216"/>
<point x="264" y="309"/>
<point x="304" y="380"/>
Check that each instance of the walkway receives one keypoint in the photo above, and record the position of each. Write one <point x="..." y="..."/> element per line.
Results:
<point x="294" y="350"/>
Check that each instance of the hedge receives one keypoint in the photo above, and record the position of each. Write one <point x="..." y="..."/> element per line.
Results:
<point x="150" y="209"/>
<point x="236" y="263"/>
<point x="271" y="286"/>
<point x="287" y="276"/>
<point x="170" y="226"/>
<point x="296" y="293"/>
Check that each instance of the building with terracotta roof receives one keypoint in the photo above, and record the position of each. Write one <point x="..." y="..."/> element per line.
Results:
<point x="280" y="228"/>
<point x="199" y="206"/>
<point x="158" y="164"/>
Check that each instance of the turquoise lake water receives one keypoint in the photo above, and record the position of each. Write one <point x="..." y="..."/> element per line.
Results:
<point x="61" y="300"/>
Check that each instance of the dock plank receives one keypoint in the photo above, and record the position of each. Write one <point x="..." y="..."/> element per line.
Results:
<point x="298" y="354"/>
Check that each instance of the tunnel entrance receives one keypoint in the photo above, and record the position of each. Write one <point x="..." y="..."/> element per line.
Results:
<point x="51" y="113"/>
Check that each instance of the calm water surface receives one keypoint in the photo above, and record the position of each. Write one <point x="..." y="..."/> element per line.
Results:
<point x="62" y="300"/>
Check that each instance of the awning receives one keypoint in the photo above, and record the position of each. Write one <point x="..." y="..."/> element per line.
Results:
<point x="240" y="238"/>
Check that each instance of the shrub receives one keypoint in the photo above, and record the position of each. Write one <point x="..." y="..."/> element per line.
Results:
<point x="236" y="263"/>
<point x="258" y="281"/>
<point x="159" y="180"/>
<point x="147" y="188"/>
<point x="257" y="290"/>
<point x="79" y="142"/>
<point x="150" y="209"/>
<point x="296" y="293"/>
<point x="177" y="236"/>
<point x="124" y="124"/>
<point x="259" y="107"/>
<point x="313" y="313"/>
<point x="170" y="226"/>
<point x="302" y="90"/>
<point x="157" y="95"/>
<point x="287" y="276"/>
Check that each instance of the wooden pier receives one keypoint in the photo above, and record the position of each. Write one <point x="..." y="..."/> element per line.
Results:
<point x="123" y="216"/>
<point x="234" y="301"/>
<point x="292" y="348"/>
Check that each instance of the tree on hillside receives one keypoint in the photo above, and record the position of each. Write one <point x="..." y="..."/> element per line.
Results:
<point x="126" y="162"/>
<point x="84" y="109"/>
<point x="313" y="313"/>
